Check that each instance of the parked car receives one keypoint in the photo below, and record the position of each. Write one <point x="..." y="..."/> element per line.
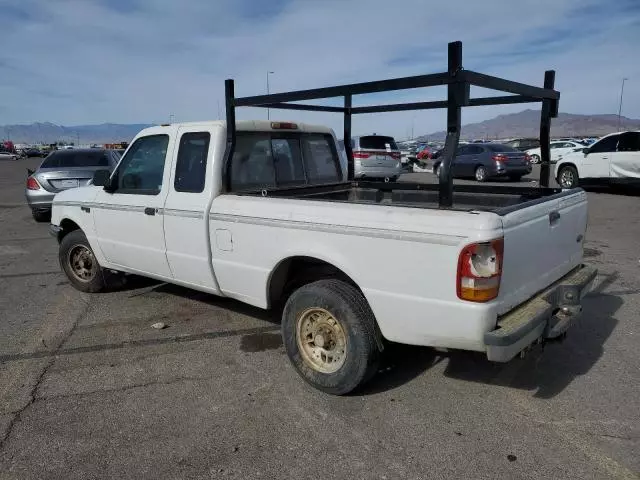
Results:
<point x="483" y="161"/>
<point x="34" y="152"/>
<point x="61" y="170"/>
<point x="4" y="155"/>
<point x="523" y="144"/>
<point x="425" y="153"/>
<point x="614" y="159"/>
<point x="376" y="157"/>
<point x="289" y="229"/>
<point x="557" y="149"/>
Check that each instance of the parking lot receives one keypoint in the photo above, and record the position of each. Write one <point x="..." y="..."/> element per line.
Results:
<point x="89" y="390"/>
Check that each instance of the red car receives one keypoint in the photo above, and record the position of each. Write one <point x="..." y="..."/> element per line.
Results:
<point x="424" y="154"/>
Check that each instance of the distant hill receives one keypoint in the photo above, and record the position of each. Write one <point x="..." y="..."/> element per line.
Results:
<point x="527" y="124"/>
<point x="50" y="132"/>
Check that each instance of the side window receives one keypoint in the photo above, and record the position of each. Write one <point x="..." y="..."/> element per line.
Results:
<point x="287" y="161"/>
<point x="475" y="150"/>
<point x="252" y="164"/>
<point x="557" y="145"/>
<point x="463" y="150"/>
<point x="191" y="166"/>
<point x="607" y="144"/>
<point x="141" y="169"/>
<point x="629" y="142"/>
<point x="321" y="161"/>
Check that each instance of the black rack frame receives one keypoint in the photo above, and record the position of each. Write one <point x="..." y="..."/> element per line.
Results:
<point x="458" y="82"/>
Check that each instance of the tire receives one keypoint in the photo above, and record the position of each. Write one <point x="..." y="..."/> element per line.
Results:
<point x="313" y="308"/>
<point x="515" y="178"/>
<point x="568" y="177"/>
<point x="535" y="159"/>
<point x="41" y="216"/>
<point x="79" y="263"/>
<point x="481" y="174"/>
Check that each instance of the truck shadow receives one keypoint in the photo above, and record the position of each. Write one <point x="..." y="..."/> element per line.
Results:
<point x="547" y="370"/>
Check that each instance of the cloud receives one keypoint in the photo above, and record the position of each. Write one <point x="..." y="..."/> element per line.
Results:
<point x="130" y="61"/>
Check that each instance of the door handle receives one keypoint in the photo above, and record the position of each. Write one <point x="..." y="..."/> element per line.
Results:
<point x="605" y="158"/>
<point x="554" y="217"/>
<point x="149" y="211"/>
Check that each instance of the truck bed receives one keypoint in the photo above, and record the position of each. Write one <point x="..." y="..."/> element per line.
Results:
<point x="497" y="199"/>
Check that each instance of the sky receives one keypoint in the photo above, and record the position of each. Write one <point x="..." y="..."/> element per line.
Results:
<point x="74" y="62"/>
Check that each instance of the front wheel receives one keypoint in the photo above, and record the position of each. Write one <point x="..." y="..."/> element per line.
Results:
<point x="80" y="264"/>
<point x="329" y="334"/>
<point x="535" y="158"/>
<point x="481" y="174"/>
<point x="568" y="177"/>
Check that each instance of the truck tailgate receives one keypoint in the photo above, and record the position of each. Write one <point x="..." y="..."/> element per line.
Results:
<point x="542" y="242"/>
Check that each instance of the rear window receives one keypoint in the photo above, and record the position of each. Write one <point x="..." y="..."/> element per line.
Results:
<point x="263" y="160"/>
<point x="377" y="142"/>
<point x="500" y="148"/>
<point x="71" y="158"/>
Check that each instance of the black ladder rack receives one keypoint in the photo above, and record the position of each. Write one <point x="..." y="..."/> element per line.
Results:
<point x="458" y="83"/>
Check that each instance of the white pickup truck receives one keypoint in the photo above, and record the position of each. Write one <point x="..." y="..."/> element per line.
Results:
<point x="262" y="212"/>
<point x="352" y="266"/>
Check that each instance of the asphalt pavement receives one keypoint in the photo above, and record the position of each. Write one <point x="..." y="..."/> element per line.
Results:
<point x="89" y="390"/>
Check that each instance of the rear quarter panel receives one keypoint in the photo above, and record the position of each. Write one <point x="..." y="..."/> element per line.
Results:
<point x="403" y="259"/>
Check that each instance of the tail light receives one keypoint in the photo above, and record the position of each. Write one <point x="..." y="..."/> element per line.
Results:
<point x="396" y="155"/>
<point x="527" y="157"/>
<point x="499" y="158"/>
<point x="361" y="154"/>
<point x="479" y="271"/>
<point x="32" y="184"/>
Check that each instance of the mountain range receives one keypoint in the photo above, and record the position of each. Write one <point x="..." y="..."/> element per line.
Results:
<point x="521" y="124"/>
<point x="78" y="134"/>
<point x="527" y="124"/>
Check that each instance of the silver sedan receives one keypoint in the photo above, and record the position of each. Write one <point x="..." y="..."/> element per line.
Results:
<point x="62" y="170"/>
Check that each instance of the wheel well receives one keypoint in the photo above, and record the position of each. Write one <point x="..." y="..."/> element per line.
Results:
<point x="564" y="165"/>
<point x="67" y="226"/>
<point x="294" y="272"/>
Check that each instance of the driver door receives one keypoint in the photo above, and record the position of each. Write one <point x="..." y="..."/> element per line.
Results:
<point x="128" y="218"/>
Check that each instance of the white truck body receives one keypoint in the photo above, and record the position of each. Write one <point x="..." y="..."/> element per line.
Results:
<point x="403" y="259"/>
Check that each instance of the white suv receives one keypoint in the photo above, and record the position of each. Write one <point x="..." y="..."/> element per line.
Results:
<point x="614" y="159"/>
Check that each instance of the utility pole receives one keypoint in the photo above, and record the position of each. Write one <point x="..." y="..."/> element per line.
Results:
<point x="620" y="107"/>
<point x="268" y="73"/>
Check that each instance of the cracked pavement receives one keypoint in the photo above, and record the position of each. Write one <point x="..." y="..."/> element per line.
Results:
<point x="89" y="390"/>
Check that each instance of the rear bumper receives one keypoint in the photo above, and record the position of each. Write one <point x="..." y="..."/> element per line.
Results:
<point x="40" y="199"/>
<point x="547" y="315"/>
<point x="377" y="172"/>
<point x="506" y="171"/>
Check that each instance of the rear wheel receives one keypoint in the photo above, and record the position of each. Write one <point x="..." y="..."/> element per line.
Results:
<point x="41" y="216"/>
<point x="80" y="264"/>
<point x="481" y="173"/>
<point x="535" y="159"/>
<point x="329" y="334"/>
<point x="568" y="177"/>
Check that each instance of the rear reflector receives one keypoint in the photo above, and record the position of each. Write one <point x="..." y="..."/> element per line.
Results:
<point x="479" y="271"/>
<point x="284" y="126"/>
<point x="32" y="184"/>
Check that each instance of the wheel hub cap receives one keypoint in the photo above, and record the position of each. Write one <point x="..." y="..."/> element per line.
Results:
<point x="82" y="263"/>
<point x="321" y="340"/>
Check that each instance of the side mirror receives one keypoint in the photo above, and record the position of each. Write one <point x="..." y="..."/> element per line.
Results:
<point x="101" y="178"/>
<point x="585" y="150"/>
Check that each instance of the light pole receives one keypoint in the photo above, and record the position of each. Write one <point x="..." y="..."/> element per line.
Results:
<point x="171" y="117"/>
<point x="268" y="73"/>
<point x="620" y="107"/>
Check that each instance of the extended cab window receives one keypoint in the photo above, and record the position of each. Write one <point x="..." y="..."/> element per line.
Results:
<point x="141" y="169"/>
<point x="191" y="165"/>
